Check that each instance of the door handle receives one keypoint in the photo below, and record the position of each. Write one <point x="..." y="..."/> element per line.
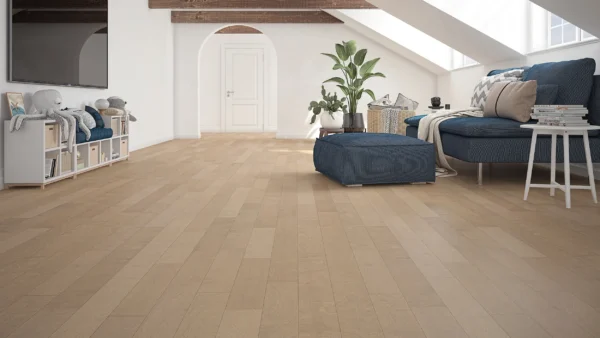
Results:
<point x="229" y="93"/>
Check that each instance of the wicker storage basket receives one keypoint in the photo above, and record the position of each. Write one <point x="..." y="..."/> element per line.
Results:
<point x="375" y="120"/>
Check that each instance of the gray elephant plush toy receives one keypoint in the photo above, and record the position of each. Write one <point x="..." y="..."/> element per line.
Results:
<point x="117" y="102"/>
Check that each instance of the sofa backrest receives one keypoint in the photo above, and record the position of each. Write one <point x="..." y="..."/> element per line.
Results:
<point x="594" y="104"/>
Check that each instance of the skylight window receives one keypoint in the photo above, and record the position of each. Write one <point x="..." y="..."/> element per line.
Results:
<point x="549" y="30"/>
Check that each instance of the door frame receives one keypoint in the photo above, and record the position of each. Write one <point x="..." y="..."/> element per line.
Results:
<point x="266" y="81"/>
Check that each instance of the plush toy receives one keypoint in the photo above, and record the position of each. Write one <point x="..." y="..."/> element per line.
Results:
<point x="119" y="104"/>
<point x="46" y="105"/>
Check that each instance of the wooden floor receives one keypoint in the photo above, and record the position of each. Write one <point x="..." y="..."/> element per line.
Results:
<point x="238" y="236"/>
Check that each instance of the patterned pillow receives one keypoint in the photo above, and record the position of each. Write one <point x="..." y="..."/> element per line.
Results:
<point x="484" y="86"/>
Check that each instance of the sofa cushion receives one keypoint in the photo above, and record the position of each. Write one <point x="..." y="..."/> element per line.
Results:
<point x="97" y="134"/>
<point x="546" y="94"/>
<point x="574" y="78"/>
<point x="594" y="105"/>
<point x="483" y="127"/>
<point x="500" y="71"/>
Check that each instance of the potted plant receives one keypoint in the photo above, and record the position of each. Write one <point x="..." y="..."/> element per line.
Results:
<point x="332" y="108"/>
<point x="355" y="72"/>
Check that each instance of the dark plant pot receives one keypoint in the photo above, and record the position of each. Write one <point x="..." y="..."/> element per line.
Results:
<point x="354" y="123"/>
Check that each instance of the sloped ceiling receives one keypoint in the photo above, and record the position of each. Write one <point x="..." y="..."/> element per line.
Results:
<point x="367" y="26"/>
<point x="584" y="14"/>
<point x="449" y="30"/>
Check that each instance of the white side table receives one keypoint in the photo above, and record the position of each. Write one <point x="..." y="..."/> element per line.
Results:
<point x="565" y="132"/>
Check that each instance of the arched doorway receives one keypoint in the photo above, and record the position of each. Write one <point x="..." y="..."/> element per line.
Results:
<point x="237" y="81"/>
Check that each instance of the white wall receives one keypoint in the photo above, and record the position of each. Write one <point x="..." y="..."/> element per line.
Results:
<point x="457" y="86"/>
<point x="210" y="80"/>
<point x="140" y="70"/>
<point x="301" y="69"/>
<point x="93" y="68"/>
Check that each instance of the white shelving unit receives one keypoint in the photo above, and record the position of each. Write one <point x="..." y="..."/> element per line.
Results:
<point x="26" y="151"/>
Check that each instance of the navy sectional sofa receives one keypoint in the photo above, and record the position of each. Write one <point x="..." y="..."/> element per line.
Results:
<point x="498" y="140"/>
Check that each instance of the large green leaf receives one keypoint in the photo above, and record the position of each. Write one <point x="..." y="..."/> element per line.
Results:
<point x="352" y="71"/>
<point x="337" y="66"/>
<point x="317" y="111"/>
<point x="358" y="83"/>
<point x="344" y="89"/>
<point x="314" y="104"/>
<point x="359" y="94"/>
<point x="359" y="58"/>
<point x="370" y="75"/>
<point x="336" y="80"/>
<point x="335" y="58"/>
<point x="368" y="67"/>
<point x="350" y="47"/>
<point x="341" y="52"/>
<point x="313" y="119"/>
<point x="371" y="94"/>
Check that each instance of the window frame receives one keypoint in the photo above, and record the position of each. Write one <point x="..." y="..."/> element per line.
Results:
<point x="578" y="32"/>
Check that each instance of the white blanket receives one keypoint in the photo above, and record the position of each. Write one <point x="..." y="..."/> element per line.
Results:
<point x="429" y="130"/>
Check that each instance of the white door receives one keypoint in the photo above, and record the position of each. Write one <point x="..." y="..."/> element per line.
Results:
<point x="244" y="87"/>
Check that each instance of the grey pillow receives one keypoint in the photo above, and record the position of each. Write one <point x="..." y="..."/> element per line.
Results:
<point x="484" y="86"/>
<point x="511" y="100"/>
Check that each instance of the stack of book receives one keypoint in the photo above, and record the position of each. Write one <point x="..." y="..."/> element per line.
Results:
<point x="560" y="115"/>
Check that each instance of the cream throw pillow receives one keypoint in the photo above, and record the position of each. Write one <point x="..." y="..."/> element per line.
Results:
<point x="511" y="100"/>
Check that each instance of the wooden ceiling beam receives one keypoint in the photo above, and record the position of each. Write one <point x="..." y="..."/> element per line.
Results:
<point x="60" y="4"/>
<point x="238" y="29"/>
<point x="260" y="4"/>
<point x="286" y="17"/>
<point x="61" y="17"/>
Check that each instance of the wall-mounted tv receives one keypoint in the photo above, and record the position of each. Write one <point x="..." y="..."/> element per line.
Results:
<point x="58" y="42"/>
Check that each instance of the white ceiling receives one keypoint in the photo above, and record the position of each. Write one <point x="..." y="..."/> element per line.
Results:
<point x="399" y="37"/>
<point x="450" y="30"/>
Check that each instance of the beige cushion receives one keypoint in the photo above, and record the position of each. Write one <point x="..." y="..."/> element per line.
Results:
<point x="511" y="100"/>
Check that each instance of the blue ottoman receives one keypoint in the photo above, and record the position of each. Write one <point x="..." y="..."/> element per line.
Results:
<point x="365" y="158"/>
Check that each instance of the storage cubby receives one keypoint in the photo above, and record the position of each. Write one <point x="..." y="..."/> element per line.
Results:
<point x="116" y="148"/>
<point x="83" y="158"/>
<point x="52" y="168"/>
<point x="105" y="151"/>
<point x="26" y="152"/>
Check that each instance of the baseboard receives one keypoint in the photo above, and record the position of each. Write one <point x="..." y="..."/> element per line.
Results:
<point x="187" y="137"/>
<point x="577" y="169"/>
<point x="270" y="129"/>
<point x="210" y="129"/>
<point x="152" y="143"/>
<point x="292" y="136"/>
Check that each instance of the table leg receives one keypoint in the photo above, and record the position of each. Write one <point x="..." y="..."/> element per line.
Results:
<point x="567" y="165"/>
<point x="590" y="165"/>
<point x="530" y="166"/>
<point x="553" y="164"/>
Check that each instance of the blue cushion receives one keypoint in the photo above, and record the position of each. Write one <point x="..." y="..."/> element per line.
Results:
<point x="97" y="117"/>
<point x="594" y="105"/>
<point x="500" y="71"/>
<point x="369" y="158"/>
<point x="546" y="94"/>
<point x="484" y="127"/>
<point x="574" y="79"/>
<point x="97" y="134"/>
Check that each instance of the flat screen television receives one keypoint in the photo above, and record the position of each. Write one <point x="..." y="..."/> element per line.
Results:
<point x="58" y="42"/>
